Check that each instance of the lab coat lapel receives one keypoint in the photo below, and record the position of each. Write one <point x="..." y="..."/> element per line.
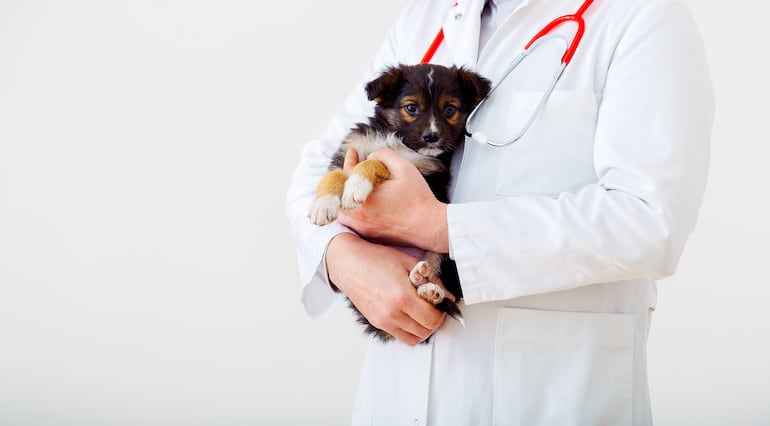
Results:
<point x="461" y="31"/>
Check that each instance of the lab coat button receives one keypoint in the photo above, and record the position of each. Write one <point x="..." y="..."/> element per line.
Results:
<point x="458" y="15"/>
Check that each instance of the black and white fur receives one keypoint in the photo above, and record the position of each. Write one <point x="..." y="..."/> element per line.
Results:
<point x="420" y="113"/>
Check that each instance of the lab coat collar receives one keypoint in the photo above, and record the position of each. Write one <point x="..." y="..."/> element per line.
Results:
<point x="461" y="31"/>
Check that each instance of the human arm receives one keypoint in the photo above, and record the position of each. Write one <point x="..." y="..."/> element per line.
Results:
<point x="376" y="279"/>
<point x="650" y="157"/>
<point x="318" y="295"/>
<point x="402" y="210"/>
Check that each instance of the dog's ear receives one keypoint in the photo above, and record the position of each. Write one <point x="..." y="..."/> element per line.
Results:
<point x="384" y="89"/>
<point x="473" y="86"/>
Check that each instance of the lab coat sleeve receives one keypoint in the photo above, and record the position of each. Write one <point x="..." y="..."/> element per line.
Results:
<point x="651" y="153"/>
<point x="311" y="241"/>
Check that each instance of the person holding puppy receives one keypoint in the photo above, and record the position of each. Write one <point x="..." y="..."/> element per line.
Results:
<point x="559" y="226"/>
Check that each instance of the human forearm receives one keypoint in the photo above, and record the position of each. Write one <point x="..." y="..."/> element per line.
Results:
<point x="611" y="188"/>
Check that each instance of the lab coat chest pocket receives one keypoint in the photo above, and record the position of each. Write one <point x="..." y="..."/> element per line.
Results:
<point x="563" y="368"/>
<point x="556" y="154"/>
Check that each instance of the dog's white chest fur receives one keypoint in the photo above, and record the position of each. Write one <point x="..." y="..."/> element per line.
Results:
<point x="367" y="143"/>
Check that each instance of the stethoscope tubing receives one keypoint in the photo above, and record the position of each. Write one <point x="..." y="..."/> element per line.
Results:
<point x="572" y="46"/>
<point x="481" y="137"/>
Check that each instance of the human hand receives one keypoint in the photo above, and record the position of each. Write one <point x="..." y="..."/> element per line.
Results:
<point x="401" y="210"/>
<point x="376" y="280"/>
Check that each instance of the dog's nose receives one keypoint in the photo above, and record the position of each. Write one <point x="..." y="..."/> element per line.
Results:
<point x="430" y="137"/>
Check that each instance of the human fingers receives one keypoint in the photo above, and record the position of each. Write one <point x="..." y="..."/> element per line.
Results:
<point x="405" y="314"/>
<point x="351" y="159"/>
<point x="424" y="314"/>
<point x="410" y="331"/>
<point x="406" y="337"/>
<point x="395" y="163"/>
<point x="392" y="305"/>
<point x="393" y="316"/>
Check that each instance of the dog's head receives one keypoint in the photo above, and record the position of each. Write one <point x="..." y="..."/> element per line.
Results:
<point x="426" y="105"/>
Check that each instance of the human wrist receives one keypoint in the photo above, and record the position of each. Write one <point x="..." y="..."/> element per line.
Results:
<point x="438" y="229"/>
<point x="339" y="246"/>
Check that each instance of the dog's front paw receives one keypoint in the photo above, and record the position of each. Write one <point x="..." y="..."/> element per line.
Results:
<point x="357" y="188"/>
<point x="324" y="209"/>
<point x="431" y="292"/>
<point x="421" y="273"/>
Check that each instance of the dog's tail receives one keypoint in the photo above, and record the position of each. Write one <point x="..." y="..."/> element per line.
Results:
<point x="451" y="309"/>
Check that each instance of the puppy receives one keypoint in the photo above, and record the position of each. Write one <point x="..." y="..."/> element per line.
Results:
<point x="420" y="112"/>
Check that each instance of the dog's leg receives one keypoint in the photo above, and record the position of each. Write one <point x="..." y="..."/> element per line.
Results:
<point x="421" y="273"/>
<point x="431" y="292"/>
<point x="426" y="269"/>
<point x="422" y="276"/>
<point x="328" y="195"/>
<point x="364" y="177"/>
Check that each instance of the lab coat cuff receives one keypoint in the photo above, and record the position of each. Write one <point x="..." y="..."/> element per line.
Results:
<point x="461" y="251"/>
<point x="319" y="295"/>
<point x="323" y="271"/>
<point x="318" y="298"/>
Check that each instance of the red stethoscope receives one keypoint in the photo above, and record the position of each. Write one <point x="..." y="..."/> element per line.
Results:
<point x="571" y="47"/>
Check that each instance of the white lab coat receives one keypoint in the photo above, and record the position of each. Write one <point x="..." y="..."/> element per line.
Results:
<point x="558" y="238"/>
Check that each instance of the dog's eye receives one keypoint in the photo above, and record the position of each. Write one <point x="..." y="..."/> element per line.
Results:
<point x="412" y="109"/>
<point x="449" y="110"/>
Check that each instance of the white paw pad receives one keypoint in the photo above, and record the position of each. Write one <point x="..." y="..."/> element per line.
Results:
<point x="431" y="292"/>
<point x="421" y="273"/>
<point x="357" y="188"/>
<point x="324" y="209"/>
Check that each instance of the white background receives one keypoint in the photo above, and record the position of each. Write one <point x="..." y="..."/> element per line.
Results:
<point x="146" y="277"/>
